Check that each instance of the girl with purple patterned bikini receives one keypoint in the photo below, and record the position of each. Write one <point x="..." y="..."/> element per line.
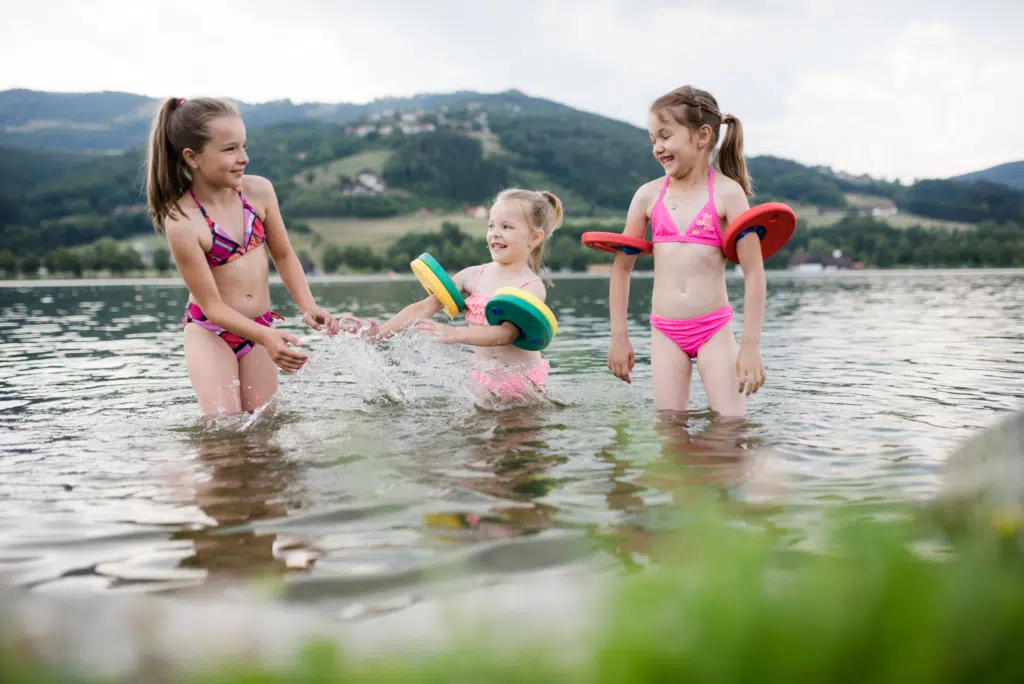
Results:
<point x="217" y="221"/>
<point x="691" y="317"/>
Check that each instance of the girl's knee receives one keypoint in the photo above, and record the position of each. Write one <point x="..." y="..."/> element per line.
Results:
<point x="721" y="384"/>
<point x="731" y="409"/>
<point x="220" y="409"/>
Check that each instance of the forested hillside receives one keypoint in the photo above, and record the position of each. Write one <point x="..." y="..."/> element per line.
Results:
<point x="437" y="154"/>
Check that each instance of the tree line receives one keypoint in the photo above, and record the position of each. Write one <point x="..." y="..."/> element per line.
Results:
<point x="877" y="244"/>
<point x="874" y="243"/>
<point x="104" y="255"/>
<point x="48" y="201"/>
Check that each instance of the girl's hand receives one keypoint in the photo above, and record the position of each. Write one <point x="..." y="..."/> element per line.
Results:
<point x="750" y="369"/>
<point x="621" y="357"/>
<point x="437" y="331"/>
<point x="364" y="330"/>
<point x="316" y="318"/>
<point x="276" y="343"/>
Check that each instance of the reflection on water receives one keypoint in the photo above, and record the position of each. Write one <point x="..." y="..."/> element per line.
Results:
<point x="243" y="478"/>
<point x="380" y="469"/>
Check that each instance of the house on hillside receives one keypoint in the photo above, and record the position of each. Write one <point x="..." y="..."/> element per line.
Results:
<point x="477" y="212"/>
<point x="884" y="210"/>
<point x="805" y="262"/>
<point x="370" y="179"/>
<point x="414" y="128"/>
<point x="367" y="182"/>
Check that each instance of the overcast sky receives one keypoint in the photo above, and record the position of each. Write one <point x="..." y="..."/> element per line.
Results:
<point x="929" y="88"/>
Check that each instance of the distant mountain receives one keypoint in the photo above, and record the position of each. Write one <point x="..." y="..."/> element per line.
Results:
<point x="106" y="122"/>
<point x="1010" y="174"/>
<point x="71" y="165"/>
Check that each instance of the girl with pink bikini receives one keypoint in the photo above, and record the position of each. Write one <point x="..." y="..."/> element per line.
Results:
<point x="691" y="317"/>
<point x="519" y="225"/>
<point x="219" y="222"/>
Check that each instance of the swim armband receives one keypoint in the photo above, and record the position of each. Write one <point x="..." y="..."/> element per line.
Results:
<point x="536" y="323"/>
<point x="772" y="222"/>
<point x="436" y="281"/>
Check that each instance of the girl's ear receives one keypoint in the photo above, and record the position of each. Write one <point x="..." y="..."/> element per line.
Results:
<point x="189" y="155"/>
<point x="536" y="237"/>
<point x="705" y="135"/>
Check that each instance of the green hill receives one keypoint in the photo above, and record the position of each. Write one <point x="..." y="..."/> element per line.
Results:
<point x="115" y="121"/>
<point x="429" y="155"/>
<point x="1010" y="174"/>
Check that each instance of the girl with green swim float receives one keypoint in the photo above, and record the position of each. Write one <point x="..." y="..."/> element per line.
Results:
<point x="519" y="225"/>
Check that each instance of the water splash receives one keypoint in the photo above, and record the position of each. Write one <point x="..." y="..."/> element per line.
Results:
<point x="408" y="369"/>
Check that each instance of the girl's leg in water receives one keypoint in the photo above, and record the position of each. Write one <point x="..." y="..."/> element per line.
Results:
<point x="716" y="363"/>
<point x="258" y="374"/>
<point x="671" y="370"/>
<point x="213" y="369"/>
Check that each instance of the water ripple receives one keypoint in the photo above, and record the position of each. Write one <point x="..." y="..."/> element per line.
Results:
<point x="379" y="467"/>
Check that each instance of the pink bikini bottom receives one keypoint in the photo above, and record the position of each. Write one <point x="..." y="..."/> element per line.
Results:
<point x="511" y="383"/>
<point x="692" y="333"/>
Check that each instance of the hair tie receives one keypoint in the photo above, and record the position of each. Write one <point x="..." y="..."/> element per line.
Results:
<point x="728" y="119"/>
<point x="180" y="101"/>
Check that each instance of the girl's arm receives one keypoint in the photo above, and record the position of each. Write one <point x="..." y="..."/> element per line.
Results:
<point x="285" y="260"/>
<point x="425" y="308"/>
<point x="620" y="352"/>
<point x="755" y="288"/>
<point x="475" y="335"/>
<point x="749" y="365"/>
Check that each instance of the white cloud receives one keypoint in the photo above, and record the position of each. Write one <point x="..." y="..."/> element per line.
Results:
<point x="862" y="86"/>
<point x="931" y="108"/>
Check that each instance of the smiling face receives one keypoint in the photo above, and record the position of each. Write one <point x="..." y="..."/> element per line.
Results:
<point x="676" y="146"/>
<point x="510" y="237"/>
<point x="221" y="162"/>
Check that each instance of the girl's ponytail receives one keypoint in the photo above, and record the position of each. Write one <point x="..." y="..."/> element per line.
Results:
<point x="730" y="154"/>
<point x="166" y="176"/>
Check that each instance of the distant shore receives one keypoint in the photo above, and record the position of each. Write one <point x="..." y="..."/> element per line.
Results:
<point x="136" y="279"/>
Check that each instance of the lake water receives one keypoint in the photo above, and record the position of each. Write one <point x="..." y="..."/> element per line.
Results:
<point x="379" y="468"/>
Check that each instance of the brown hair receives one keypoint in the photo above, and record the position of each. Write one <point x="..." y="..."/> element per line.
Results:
<point x="179" y="124"/>
<point x="543" y="212"/>
<point x="694" y="108"/>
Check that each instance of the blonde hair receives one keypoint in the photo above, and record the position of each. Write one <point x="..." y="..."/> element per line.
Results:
<point x="179" y="124"/>
<point x="694" y="108"/>
<point x="543" y="212"/>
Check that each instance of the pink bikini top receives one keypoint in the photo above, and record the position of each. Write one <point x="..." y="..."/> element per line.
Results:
<point x="476" y="302"/>
<point x="225" y="249"/>
<point x="704" y="229"/>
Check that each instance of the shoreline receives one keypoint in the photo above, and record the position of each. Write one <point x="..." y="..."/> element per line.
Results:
<point x="734" y="273"/>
